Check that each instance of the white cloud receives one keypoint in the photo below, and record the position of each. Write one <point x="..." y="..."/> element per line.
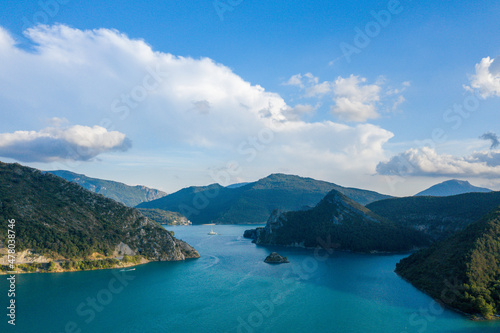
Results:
<point x="427" y="162"/>
<point x="57" y="144"/>
<point x="167" y="103"/>
<point x="300" y="80"/>
<point x="486" y="80"/>
<point x="353" y="98"/>
<point x="398" y="102"/>
<point x="295" y="80"/>
<point x="298" y="111"/>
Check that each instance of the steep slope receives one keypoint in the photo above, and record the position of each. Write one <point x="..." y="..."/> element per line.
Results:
<point x="128" y="195"/>
<point x="62" y="220"/>
<point x="439" y="217"/>
<point x="462" y="271"/>
<point x="164" y="217"/>
<point x="452" y="187"/>
<point x="253" y="202"/>
<point x="340" y="222"/>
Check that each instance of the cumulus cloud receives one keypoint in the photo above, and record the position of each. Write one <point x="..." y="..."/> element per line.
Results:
<point x="299" y="110"/>
<point x="300" y="80"/>
<point x="427" y="162"/>
<point x="491" y="137"/>
<point x="168" y="103"/>
<point x="353" y="98"/>
<point x="486" y="80"/>
<point x="79" y="143"/>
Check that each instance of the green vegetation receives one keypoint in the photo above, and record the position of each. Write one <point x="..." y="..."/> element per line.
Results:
<point x="439" y="217"/>
<point x="164" y="217"/>
<point x="253" y="202"/>
<point x="62" y="220"/>
<point x="462" y="271"/>
<point x="128" y="195"/>
<point x="77" y="265"/>
<point x="131" y="259"/>
<point x="342" y="223"/>
<point x="52" y="266"/>
<point x="84" y="265"/>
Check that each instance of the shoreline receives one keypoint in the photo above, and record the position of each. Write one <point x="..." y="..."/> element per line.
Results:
<point x="144" y="261"/>
<point x="469" y="316"/>
<point x="62" y="270"/>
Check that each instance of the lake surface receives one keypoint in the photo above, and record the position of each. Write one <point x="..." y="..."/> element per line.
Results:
<point x="231" y="289"/>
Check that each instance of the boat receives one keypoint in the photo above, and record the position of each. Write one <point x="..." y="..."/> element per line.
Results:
<point x="127" y="270"/>
<point x="212" y="232"/>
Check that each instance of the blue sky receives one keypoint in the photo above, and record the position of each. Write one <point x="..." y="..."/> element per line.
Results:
<point x="386" y="95"/>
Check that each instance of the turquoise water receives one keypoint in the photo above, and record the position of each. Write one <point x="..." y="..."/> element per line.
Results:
<point x="231" y="289"/>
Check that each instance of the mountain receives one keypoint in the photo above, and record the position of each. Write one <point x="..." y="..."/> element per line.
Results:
<point x="439" y="217"/>
<point x="237" y="185"/>
<point x="452" y="187"/>
<point x="128" y="195"/>
<point x="340" y="222"/>
<point x="60" y="220"/>
<point x="462" y="271"/>
<point x="164" y="217"/>
<point x="253" y="202"/>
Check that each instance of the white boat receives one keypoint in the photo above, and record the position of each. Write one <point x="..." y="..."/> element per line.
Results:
<point x="212" y="232"/>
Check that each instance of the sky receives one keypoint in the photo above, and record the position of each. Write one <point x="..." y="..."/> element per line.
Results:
<point x="392" y="96"/>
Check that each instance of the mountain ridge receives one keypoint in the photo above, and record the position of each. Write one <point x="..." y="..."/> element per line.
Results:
<point x="252" y="202"/>
<point x="346" y="224"/>
<point x="129" y="195"/>
<point x="439" y="217"/>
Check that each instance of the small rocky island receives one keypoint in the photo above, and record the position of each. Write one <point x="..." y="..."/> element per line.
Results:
<point x="275" y="258"/>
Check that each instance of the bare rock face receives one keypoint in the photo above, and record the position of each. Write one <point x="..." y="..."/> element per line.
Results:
<point x="275" y="258"/>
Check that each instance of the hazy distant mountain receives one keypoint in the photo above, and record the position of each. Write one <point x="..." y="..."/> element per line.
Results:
<point x="62" y="220"/>
<point x="253" y="202"/>
<point x="340" y="222"/>
<point x="128" y="195"/>
<point x="462" y="271"/>
<point x="438" y="216"/>
<point x="452" y="187"/>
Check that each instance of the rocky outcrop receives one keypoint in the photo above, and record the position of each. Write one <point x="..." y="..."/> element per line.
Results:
<point x="275" y="258"/>
<point x="152" y="241"/>
<point x="253" y="233"/>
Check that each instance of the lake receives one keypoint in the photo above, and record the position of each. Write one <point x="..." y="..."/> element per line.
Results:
<point x="231" y="289"/>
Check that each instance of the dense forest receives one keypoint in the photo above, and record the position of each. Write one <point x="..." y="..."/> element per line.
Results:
<point x="128" y="195"/>
<point x="164" y="217"/>
<point x="62" y="220"/>
<point x="346" y="224"/>
<point x="439" y="217"/>
<point x="462" y="271"/>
